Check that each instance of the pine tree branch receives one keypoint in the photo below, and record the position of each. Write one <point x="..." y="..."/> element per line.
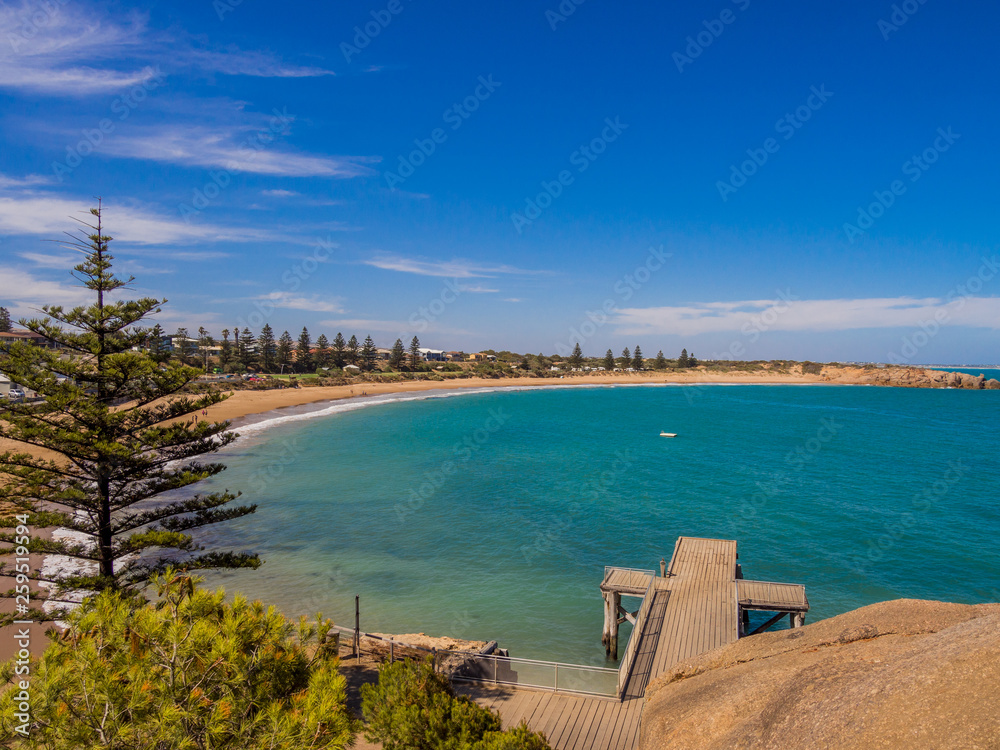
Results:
<point x="196" y="504"/>
<point x="141" y="573"/>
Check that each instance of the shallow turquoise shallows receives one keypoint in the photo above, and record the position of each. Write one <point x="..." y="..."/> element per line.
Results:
<point x="492" y="515"/>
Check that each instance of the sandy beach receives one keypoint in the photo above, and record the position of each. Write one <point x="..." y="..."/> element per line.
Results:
<point x="247" y="403"/>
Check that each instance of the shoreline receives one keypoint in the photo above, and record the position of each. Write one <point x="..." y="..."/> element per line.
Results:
<point x="246" y="408"/>
<point x="242" y="406"/>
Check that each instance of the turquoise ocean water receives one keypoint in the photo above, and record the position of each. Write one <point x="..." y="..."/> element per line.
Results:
<point x="492" y="515"/>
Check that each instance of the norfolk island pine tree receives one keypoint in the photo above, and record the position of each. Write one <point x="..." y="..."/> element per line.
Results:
<point x="414" y="352"/>
<point x="113" y="420"/>
<point x="398" y="355"/>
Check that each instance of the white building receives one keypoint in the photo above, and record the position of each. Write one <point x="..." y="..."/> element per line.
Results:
<point x="432" y="355"/>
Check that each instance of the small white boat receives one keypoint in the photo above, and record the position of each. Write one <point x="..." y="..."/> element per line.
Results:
<point x="668" y="434"/>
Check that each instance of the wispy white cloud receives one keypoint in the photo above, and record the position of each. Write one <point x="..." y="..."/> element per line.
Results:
<point x="27" y="213"/>
<point x="367" y="324"/>
<point x="452" y="269"/>
<point x="477" y="289"/>
<point x="127" y="267"/>
<point x="289" y="301"/>
<point x="234" y="61"/>
<point x="395" y="328"/>
<point x="64" y="49"/>
<point x="513" y="299"/>
<point x="24" y="293"/>
<point x="279" y="193"/>
<point x="124" y="266"/>
<point x="61" y="49"/>
<point x="792" y="314"/>
<point x="51" y="260"/>
<point x="197" y="255"/>
<point x="31" y="180"/>
<point x="234" y="149"/>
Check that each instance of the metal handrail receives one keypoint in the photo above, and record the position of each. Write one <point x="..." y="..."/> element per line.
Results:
<point x="609" y="568"/>
<point x="510" y="661"/>
<point x="625" y="665"/>
<point x="771" y="583"/>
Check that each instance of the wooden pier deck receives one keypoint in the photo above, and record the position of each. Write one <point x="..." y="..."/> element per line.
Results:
<point x="569" y="722"/>
<point x="695" y="608"/>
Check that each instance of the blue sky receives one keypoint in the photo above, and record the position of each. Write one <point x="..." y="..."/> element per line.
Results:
<point x="743" y="179"/>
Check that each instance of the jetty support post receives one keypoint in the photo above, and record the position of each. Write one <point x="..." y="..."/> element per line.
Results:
<point x="357" y="626"/>
<point x="612" y="602"/>
<point x="796" y="619"/>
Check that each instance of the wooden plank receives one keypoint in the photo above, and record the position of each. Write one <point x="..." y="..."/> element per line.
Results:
<point x="569" y="729"/>
<point x="613" y="739"/>
<point x="560" y="711"/>
<point x="513" y="713"/>
<point x="539" y="710"/>
<point x="488" y="697"/>
<point x="579" y="737"/>
<point x="636" y="726"/>
<point x="631" y="724"/>
<point x="582" y="713"/>
<point x="584" y="736"/>
<point x="603" y="738"/>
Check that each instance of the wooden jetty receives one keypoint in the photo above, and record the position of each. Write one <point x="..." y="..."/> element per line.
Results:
<point x="699" y="602"/>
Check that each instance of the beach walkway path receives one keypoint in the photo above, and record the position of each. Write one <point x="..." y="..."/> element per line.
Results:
<point x="697" y="606"/>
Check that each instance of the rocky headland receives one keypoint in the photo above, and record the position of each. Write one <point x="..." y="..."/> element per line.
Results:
<point x="898" y="674"/>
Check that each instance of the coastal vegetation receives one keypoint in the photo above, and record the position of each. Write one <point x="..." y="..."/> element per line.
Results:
<point x="114" y="433"/>
<point x="186" y="671"/>
<point x="412" y="707"/>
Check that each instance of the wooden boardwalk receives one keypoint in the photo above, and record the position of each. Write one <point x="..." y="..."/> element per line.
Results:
<point x="569" y="722"/>
<point x="695" y="608"/>
<point x="783" y="597"/>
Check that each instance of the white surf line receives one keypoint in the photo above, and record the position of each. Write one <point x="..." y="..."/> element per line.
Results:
<point x="354" y="403"/>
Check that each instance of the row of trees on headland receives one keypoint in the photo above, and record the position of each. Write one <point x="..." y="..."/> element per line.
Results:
<point x="634" y="360"/>
<point x="265" y="353"/>
<point x="240" y="350"/>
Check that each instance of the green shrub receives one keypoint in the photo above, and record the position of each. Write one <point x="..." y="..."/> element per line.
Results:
<point x="518" y="738"/>
<point x="187" y="671"/>
<point x="414" y="708"/>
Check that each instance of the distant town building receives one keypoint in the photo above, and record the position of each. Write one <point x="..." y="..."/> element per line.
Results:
<point x="432" y="355"/>
<point x="29" y="337"/>
<point x="482" y="357"/>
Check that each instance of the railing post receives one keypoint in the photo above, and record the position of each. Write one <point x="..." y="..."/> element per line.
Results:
<point x="556" y="688"/>
<point x="495" y="670"/>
